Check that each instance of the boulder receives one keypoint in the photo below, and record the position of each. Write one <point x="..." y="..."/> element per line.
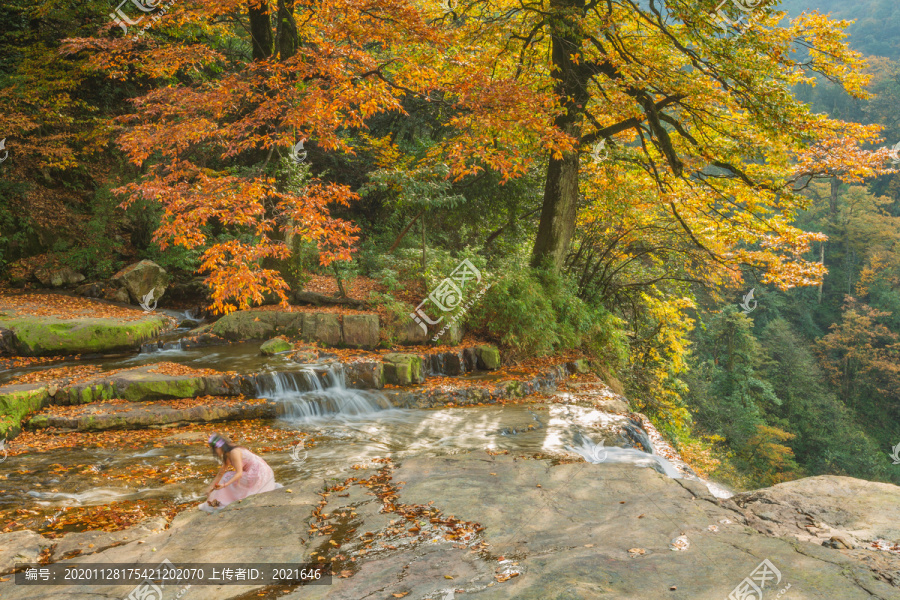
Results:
<point x="245" y="325"/>
<point x="403" y="369"/>
<point x="141" y="278"/>
<point x="275" y="346"/>
<point x="446" y="363"/>
<point x="488" y="357"/>
<point x="361" y="331"/>
<point x="579" y="366"/>
<point x="58" y="277"/>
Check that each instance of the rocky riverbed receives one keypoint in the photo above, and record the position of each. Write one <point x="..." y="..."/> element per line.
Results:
<point x="457" y="478"/>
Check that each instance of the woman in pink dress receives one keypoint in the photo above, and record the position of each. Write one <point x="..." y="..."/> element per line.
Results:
<point x="251" y="474"/>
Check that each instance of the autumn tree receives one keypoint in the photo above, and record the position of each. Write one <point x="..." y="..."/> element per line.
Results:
<point x="704" y="115"/>
<point x="861" y="357"/>
<point x="213" y="142"/>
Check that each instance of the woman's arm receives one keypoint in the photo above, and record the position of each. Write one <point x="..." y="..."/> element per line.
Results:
<point x="235" y="457"/>
<point x="222" y="470"/>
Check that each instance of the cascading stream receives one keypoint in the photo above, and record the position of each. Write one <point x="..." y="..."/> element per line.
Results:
<point x="313" y="394"/>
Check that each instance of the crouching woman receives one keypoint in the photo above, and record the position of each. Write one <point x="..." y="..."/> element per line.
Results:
<point x="251" y="474"/>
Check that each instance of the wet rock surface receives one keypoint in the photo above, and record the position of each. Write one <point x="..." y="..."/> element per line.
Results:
<point x="501" y="526"/>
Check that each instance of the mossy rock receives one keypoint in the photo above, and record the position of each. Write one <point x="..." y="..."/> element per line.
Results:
<point x="246" y="325"/>
<point x="580" y="365"/>
<point x="402" y="369"/>
<point x="16" y="402"/>
<point x="275" y="346"/>
<point x="140" y="388"/>
<point x="46" y="336"/>
<point x="488" y="357"/>
<point x="86" y="393"/>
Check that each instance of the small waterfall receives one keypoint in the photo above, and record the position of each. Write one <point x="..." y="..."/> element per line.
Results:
<point x="161" y="346"/>
<point x="314" y="393"/>
<point x="636" y="434"/>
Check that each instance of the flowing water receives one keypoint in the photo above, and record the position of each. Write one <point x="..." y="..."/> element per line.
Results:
<point x="325" y="428"/>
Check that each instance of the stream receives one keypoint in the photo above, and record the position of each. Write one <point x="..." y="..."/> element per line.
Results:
<point x="324" y="428"/>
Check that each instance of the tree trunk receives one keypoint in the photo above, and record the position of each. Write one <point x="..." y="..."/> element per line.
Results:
<point x="286" y="34"/>
<point x="560" y="205"/>
<point x="833" y="200"/>
<point x="260" y="29"/>
<point x="821" y="262"/>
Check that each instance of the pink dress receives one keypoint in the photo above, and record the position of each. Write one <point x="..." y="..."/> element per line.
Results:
<point x="257" y="477"/>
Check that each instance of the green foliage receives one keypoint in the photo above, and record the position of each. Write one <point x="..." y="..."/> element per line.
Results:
<point x="16" y="226"/>
<point x="535" y="313"/>
<point x="96" y="253"/>
<point x="827" y="439"/>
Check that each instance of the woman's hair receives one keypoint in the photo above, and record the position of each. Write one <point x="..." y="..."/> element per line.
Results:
<point x="219" y="441"/>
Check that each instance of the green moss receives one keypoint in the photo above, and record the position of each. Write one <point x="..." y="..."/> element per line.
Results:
<point x="41" y="336"/>
<point x="15" y="404"/>
<point x="275" y="346"/>
<point x="154" y="389"/>
<point x="412" y="363"/>
<point x="38" y="422"/>
<point x="488" y="357"/>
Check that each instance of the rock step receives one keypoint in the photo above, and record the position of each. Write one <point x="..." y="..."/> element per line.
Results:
<point x="51" y="336"/>
<point x="142" y="415"/>
<point x="122" y="414"/>
<point x="328" y="328"/>
<point x="143" y="384"/>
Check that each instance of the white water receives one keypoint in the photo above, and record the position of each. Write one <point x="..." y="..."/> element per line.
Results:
<point x="314" y="395"/>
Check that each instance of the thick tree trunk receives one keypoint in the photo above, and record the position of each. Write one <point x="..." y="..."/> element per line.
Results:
<point x="557" y="227"/>
<point x="260" y="29"/>
<point x="560" y="206"/>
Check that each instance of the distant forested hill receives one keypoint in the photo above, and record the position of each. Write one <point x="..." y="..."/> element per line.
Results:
<point x="877" y="27"/>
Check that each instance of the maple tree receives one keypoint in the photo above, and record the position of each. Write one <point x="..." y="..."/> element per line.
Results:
<point x="206" y="139"/>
